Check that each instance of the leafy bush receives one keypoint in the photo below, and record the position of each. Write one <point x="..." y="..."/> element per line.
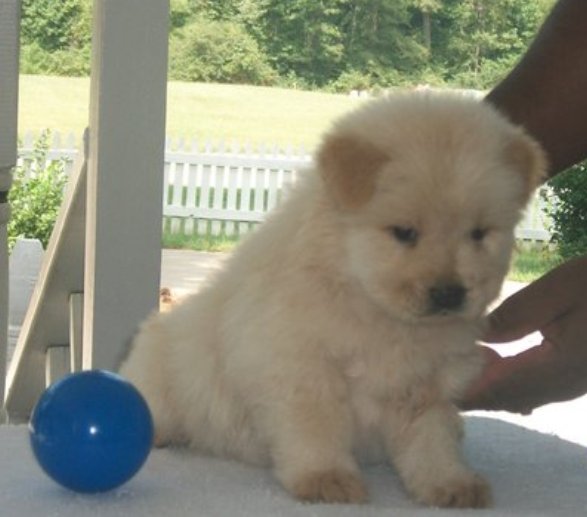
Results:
<point x="352" y="80"/>
<point x="179" y="13"/>
<point x="569" y="211"/>
<point x="36" y="195"/>
<point x="48" y="23"/>
<point x="218" y="51"/>
<point x="56" y="37"/>
<point x="68" y="62"/>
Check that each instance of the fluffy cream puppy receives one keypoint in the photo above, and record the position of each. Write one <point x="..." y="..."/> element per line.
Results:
<point x="344" y="328"/>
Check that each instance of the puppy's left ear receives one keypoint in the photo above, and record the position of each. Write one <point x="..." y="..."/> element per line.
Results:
<point x="526" y="156"/>
<point x="349" y="168"/>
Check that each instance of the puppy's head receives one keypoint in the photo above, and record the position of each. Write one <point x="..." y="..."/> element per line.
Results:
<point x="429" y="189"/>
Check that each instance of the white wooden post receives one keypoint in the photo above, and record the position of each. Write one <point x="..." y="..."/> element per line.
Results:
<point x="125" y="174"/>
<point x="9" y="52"/>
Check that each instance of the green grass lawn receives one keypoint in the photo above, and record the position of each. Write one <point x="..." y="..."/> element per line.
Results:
<point x="531" y="262"/>
<point x="258" y="115"/>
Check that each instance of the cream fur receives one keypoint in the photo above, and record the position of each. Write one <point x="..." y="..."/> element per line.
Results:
<point x="317" y="346"/>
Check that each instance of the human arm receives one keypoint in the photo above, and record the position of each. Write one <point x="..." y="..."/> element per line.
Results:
<point x="546" y="91"/>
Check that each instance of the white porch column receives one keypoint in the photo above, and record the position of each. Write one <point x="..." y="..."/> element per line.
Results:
<point x="125" y="174"/>
<point x="9" y="52"/>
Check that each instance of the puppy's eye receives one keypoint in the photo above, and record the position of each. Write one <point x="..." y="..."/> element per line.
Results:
<point x="478" y="234"/>
<point x="404" y="234"/>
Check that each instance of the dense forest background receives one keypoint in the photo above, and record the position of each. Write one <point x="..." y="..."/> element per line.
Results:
<point x="337" y="45"/>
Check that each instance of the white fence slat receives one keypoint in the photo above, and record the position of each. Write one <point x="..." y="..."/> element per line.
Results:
<point x="29" y="140"/>
<point x="71" y="142"/>
<point x="190" y="200"/>
<point x="56" y="140"/>
<point x="191" y="173"/>
<point x="197" y="170"/>
<point x="166" y="167"/>
<point x="217" y="201"/>
<point x="259" y="203"/>
<point x="177" y="174"/>
<point x="204" y="199"/>
<point x="273" y="187"/>
<point x="232" y="186"/>
<point x="245" y="200"/>
<point x="177" y="183"/>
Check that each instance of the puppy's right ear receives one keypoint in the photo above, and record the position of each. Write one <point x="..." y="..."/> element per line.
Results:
<point x="526" y="156"/>
<point x="349" y="169"/>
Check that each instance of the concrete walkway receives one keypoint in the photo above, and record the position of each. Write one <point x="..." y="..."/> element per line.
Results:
<point x="184" y="271"/>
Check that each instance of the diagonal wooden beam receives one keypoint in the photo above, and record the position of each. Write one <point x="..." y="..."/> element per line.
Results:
<point x="46" y="323"/>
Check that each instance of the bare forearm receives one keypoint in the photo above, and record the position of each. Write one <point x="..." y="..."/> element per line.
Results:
<point x="547" y="91"/>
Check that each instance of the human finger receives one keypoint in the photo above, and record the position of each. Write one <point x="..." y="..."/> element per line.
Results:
<point x="535" y="377"/>
<point x="535" y="306"/>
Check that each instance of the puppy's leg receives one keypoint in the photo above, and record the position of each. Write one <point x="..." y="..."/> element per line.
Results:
<point x="425" y="447"/>
<point x="145" y="368"/>
<point x="311" y="428"/>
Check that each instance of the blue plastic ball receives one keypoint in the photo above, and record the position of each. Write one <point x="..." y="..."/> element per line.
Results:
<point x="91" y="431"/>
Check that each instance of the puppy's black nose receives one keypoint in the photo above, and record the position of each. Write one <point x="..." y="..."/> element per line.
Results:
<point x="447" y="297"/>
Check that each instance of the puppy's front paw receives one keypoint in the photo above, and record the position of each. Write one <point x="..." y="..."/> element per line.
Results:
<point x="470" y="491"/>
<point x="331" y="486"/>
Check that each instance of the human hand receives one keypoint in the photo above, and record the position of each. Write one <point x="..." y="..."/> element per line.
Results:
<point x="556" y="369"/>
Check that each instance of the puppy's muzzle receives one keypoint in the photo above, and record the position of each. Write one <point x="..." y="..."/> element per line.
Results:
<point x="444" y="298"/>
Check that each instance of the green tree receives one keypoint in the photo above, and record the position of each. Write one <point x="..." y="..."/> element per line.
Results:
<point x="569" y="211"/>
<point x="381" y="38"/>
<point x="223" y="10"/>
<point x="303" y="37"/>
<point x="50" y="24"/>
<point x="56" y="37"/>
<point x="353" y="43"/>
<point x="179" y="13"/>
<point x="427" y="8"/>
<point x="218" y="51"/>
<point x="478" y="41"/>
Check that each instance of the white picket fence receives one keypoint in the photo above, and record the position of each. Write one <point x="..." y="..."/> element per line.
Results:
<point x="215" y="189"/>
<point x="225" y="192"/>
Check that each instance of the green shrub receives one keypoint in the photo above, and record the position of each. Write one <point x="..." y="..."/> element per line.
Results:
<point x="74" y="61"/>
<point x="36" y="195"/>
<point x="218" y="51"/>
<point x="56" y="37"/>
<point x="569" y="211"/>
<point x="352" y="80"/>
<point x="52" y="25"/>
